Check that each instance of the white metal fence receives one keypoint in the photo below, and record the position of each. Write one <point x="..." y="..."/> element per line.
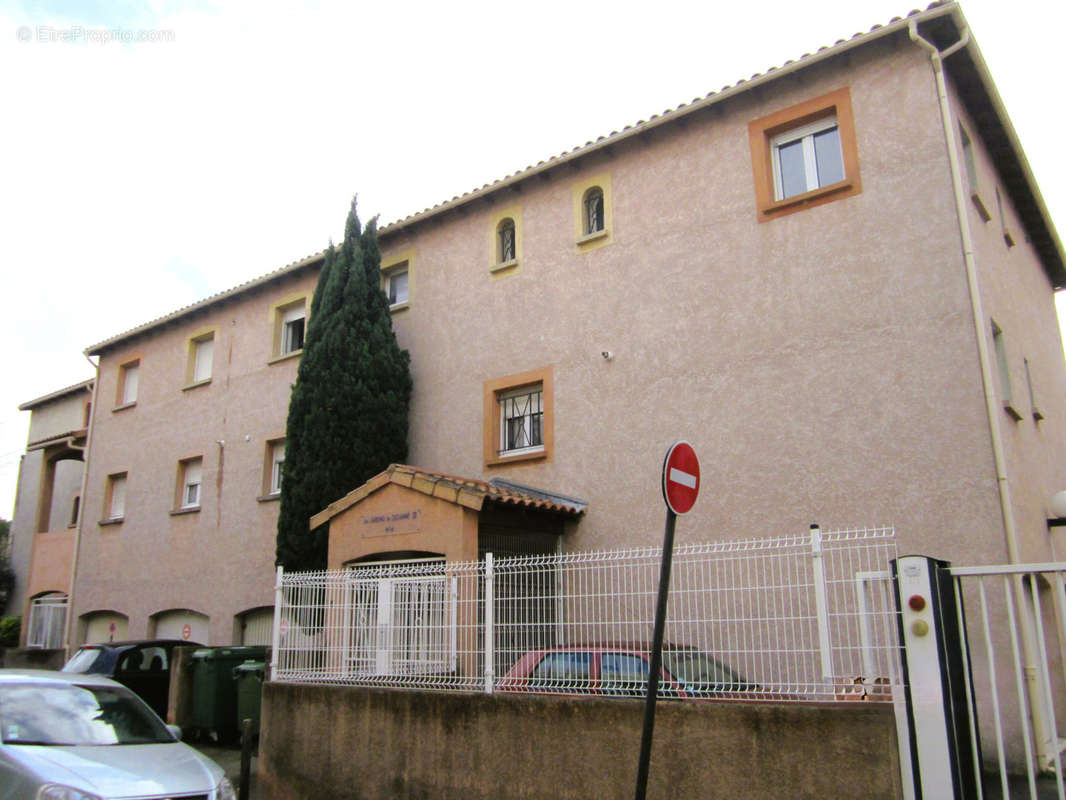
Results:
<point x="1016" y="627"/>
<point x="807" y="617"/>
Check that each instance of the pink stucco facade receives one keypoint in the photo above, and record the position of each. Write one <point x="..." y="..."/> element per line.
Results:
<point x="43" y="529"/>
<point x="211" y="561"/>
<point x="823" y="363"/>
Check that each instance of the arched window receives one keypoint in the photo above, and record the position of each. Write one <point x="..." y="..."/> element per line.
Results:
<point x="506" y="249"/>
<point x="593" y="210"/>
<point x="48" y="619"/>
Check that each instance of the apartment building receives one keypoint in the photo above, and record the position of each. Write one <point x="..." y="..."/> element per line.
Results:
<point x="46" y="515"/>
<point x="836" y="283"/>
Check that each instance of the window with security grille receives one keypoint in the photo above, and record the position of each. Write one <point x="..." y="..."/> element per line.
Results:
<point x="506" y="235"/>
<point x="594" y="217"/>
<point x="521" y="420"/>
<point x="48" y="617"/>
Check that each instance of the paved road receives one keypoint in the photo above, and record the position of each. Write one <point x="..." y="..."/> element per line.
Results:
<point x="1018" y="787"/>
<point x="229" y="758"/>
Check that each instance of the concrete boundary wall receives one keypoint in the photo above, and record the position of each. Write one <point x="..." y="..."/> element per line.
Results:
<point x="32" y="658"/>
<point x="350" y="742"/>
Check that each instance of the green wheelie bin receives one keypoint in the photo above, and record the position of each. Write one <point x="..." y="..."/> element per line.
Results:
<point x="249" y="678"/>
<point x="215" y="691"/>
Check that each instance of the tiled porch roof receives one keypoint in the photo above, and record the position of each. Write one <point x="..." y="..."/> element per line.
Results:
<point x="469" y="492"/>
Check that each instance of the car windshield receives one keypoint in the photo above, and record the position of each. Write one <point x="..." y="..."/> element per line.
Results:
<point x="43" y="714"/>
<point x="87" y="659"/>
<point x="700" y="670"/>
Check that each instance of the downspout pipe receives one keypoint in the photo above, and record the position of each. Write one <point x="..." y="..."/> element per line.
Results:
<point x="81" y="505"/>
<point x="988" y="381"/>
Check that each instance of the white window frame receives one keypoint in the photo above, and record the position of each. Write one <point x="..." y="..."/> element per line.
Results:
<point x="47" y="622"/>
<point x="130" y="379"/>
<point x="203" y="359"/>
<point x="117" y="497"/>
<point x="289" y="316"/>
<point x="506" y="399"/>
<point x="391" y="290"/>
<point x="1037" y="414"/>
<point x="804" y="133"/>
<point x="277" y="465"/>
<point x="191" y="480"/>
<point x="968" y="158"/>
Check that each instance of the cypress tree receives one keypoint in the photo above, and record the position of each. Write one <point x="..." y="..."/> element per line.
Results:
<point x="348" y="410"/>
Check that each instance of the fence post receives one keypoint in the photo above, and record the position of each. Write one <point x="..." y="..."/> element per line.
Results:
<point x="559" y="638"/>
<point x="490" y="638"/>
<point x="820" y="603"/>
<point x="275" y="634"/>
<point x="453" y="622"/>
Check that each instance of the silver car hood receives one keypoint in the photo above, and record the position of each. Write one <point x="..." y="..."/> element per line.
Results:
<point x="111" y="771"/>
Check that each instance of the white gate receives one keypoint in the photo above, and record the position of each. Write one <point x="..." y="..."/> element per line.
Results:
<point x="985" y="656"/>
<point x="1016" y="623"/>
<point x="401" y="624"/>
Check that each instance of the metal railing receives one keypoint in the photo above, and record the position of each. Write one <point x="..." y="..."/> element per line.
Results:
<point x="48" y="618"/>
<point x="807" y="617"/>
<point x="1015" y="624"/>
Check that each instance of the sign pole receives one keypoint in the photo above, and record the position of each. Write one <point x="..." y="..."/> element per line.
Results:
<point x="656" y="657"/>
<point x="681" y="486"/>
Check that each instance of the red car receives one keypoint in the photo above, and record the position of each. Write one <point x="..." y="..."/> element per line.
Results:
<point x="622" y="670"/>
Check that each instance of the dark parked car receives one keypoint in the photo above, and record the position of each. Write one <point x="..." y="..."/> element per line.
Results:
<point x="144" y="667"/>
<point x="622" y="670"/>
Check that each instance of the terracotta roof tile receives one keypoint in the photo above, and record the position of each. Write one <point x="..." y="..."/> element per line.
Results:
<point x="565" y="156"/>
<point x="468" y="492"/>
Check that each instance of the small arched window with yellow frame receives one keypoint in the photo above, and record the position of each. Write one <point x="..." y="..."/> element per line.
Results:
<point x="506" y="244"/>
<point x="593" y="211"/>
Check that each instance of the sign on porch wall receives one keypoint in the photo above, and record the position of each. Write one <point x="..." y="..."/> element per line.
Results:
<point x="391" y="524"/>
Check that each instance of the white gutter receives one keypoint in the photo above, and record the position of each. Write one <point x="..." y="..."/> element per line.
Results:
<point x="81" y="506"/>
<point x="995" y="413"/>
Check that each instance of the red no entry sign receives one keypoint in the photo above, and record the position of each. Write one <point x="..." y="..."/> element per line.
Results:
<point x="681" y="478"/>
<point x="186" y="631"/>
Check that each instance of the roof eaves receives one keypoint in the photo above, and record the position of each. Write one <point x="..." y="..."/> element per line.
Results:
<point x="895" y="25"/>
<point x="74" y="438"/>
<point x="555" y="500"/>
<point x="468" y="492"/>
<point x="936" y="9"/>
<point x="214" y="299"/>
<point x="29" y="405"/>
<point x="1030" y="202"/>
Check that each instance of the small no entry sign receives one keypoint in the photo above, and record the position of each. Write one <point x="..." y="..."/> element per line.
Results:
<point x="681" y="487"/>
<point x="681" y="478"/>
<point x="186" y="631"/>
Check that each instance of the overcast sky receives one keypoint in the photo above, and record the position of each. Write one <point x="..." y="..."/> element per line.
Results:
<point x="143" y="176"/>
